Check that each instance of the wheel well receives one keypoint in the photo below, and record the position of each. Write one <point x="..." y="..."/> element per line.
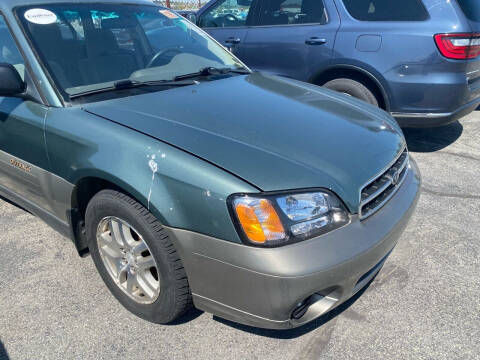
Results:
<point x="84" y="191"/>
<point x="346" y="73"/>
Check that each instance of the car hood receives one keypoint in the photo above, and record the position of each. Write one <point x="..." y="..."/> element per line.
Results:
<point x="275" y="133"/>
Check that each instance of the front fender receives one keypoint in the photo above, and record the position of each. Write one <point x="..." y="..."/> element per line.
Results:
<point x="180" y="189"/>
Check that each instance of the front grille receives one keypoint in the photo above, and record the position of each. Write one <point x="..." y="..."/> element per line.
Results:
<point x="377" y="193"/>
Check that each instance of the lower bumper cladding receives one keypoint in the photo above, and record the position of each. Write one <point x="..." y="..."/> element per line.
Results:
<point x="319" y="304"/>
<point x="286" y="287"/>
<point x="426" y="120"/>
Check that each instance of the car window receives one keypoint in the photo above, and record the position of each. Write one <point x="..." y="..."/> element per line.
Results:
<point x="91" y="46"/>
<point x="73" y="22"/>
<point x="124" y="36"/>
<point x="386" y="10"/>
<point x="227" y="13"/>
<point x="288" y="12"/>
<point x="71" y="27"/>
<point x="8" y="49"/>
<point x="471" y="8"/>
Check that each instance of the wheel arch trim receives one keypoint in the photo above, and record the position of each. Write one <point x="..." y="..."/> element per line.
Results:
<point x="92" y="181"/>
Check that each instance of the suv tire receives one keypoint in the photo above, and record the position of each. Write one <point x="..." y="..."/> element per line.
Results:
<point x="353" y="88"/>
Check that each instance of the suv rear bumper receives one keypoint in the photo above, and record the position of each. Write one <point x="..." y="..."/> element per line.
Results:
<point x="420" y="120"/>
<point x="263" y="287"/>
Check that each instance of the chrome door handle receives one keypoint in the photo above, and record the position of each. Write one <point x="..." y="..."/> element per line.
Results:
<point x="315" y="41"/>
<point x="232" y="40"/>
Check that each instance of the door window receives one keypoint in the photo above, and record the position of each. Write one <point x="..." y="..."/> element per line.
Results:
<point x="8" y="49"/>
<point x="290" y="12"/>
<point x="386" y="10"/>
<point x="227" y="13"/>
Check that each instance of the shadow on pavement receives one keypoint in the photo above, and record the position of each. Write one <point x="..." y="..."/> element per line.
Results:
<point x="297" y="332"/>
<point x="12" y="203"/>
<point x="3" y="352"/>
<point x="432" y="139"/>
<point x="189" y="316"/>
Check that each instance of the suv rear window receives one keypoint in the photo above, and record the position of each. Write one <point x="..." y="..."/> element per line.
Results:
<point x="387" y="10"/>
<point x="471" y="8"/>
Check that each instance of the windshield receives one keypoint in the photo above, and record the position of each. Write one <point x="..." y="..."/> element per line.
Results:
<point x="86" y="47"/>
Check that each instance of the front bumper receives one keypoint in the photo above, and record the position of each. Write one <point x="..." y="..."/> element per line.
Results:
<point x="263" y="286"/>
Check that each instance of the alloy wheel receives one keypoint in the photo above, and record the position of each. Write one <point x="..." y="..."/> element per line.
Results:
<point x="128" y="260"/>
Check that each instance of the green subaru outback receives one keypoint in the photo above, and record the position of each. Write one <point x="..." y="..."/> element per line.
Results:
<point x="191" y="180"/>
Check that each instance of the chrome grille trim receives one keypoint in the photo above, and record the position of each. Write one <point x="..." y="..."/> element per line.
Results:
<point x="381" y="189"/>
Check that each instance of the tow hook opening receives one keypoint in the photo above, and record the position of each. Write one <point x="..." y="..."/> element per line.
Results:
<point x="302" y="308"/>
<point x="315" y="306"/>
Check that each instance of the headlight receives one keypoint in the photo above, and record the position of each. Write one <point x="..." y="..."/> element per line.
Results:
<point x="273" y="219"/>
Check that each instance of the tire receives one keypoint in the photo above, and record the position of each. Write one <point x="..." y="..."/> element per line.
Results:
<point x="353" y="88"/>
<point x="159" y="294"/>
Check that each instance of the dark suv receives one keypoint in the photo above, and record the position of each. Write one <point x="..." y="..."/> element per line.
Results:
<point x="418" y="59"/>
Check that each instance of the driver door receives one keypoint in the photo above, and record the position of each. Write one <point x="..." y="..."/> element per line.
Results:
<point x="23" y="157"/>
<point x="227" y="21"/>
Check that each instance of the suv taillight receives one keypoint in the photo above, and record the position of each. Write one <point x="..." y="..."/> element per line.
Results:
<point x="459" y="46"/>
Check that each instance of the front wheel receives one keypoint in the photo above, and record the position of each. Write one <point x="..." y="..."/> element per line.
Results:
<point x="353" y="88"/>
<point x="136" y="258"/>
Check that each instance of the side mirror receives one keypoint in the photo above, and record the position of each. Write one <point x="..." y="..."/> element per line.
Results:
<point x="11" y="84"/>
<point x="192" y="18"/>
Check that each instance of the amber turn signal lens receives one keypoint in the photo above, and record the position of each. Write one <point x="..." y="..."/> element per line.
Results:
<point x="259" y="220"/>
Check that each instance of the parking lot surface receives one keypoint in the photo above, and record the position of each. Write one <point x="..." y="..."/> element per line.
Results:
<point x="424" y="304"/>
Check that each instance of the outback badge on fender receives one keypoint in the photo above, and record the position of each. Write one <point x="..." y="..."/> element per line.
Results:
<point x="20" y="165"/>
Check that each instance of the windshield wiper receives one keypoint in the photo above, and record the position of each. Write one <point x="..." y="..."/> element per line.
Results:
<point x="212" y="71"/>
<point x="130" y="84"/>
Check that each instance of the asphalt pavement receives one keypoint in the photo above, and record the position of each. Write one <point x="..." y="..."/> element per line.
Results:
<point x="424" y="304"/>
